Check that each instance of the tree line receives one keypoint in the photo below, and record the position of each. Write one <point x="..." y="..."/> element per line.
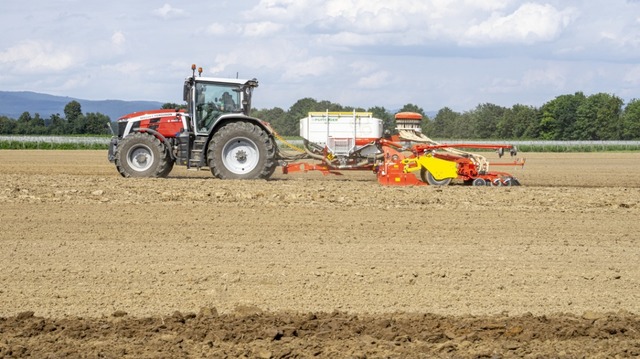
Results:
<point x="567" y="117"/>
<point x="74" y="122"/>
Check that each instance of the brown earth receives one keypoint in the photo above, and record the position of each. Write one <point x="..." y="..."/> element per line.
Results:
<point x="95" y="265"/>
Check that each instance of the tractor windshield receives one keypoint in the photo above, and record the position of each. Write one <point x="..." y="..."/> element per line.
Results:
<point x="214" y="100"/>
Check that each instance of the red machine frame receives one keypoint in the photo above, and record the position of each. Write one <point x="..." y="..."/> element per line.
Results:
<point x="397" y="167"/>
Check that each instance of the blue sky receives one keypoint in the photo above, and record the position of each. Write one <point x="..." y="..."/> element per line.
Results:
<point x="432" y="53"/>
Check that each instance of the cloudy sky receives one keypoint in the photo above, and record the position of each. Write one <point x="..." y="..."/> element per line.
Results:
<point x="432" y="53"/>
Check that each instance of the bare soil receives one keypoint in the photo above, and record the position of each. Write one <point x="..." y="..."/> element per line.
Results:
<point x="95" y="265"/>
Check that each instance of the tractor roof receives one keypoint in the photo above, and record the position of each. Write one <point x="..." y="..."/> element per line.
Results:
<point x="223" y="80"/>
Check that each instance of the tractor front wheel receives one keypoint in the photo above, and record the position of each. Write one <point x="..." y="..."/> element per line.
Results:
<point x="241" y="150"/>
<point x="142" y="155"/>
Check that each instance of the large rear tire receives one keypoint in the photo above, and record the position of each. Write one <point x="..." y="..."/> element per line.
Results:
<point x="142" y="155"/>
<point x="241" y="150"/>
<point x="427" y="177"/>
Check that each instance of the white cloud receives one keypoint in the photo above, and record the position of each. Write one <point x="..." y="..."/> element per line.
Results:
<point x="550" y="77"/>
<point x="282" y="10"/>
<point x="347" y="39"/>
<point x="275" y="56"/>
<point x="331" y="49"/>
<point x="623" y="39"/>
<point x="353" y="22"/>
<point x="632" y="76"/>
<point x="73" y="82"/>
<point x="38" y="57"/>
<point x="262" y="29"/>
<point x="529" y="24"/>
<point x="415" y="22"/>
<point x="369" y="16"/>
<point x="127" y="68"/>
<point x="216" y="29"/>
<point x="222" y="61"/>
<point x="312" y="67"/>
<point x="362" y="67"/>
<point x="169" y="12"/>
<point x="375" y="80"/>
<point x="118" y="39"/>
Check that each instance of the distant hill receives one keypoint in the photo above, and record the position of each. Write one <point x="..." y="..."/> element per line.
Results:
<point x="13" y="104"/>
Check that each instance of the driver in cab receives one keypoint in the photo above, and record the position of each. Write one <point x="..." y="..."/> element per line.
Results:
<point x="209" y="111"/>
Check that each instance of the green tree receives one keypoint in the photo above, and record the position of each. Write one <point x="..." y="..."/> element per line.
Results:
<point x="298" y="110"/>
<point x="37" y="125"/>
<point x="599" y="118"/>
<point x="57" y="125"/>
<point x="558" y="117"/>
<point x="462" y="128"/>
<point x="444" y="123"/>
<point x="548" y="127"/>
<point x="325" y="105"/>
<point x="519" y="121"/>
<point x="275" y="116"/>
<point x="7" y="125"/>
<point x="25" y="118"/>
<point x="631" y="121"/>
<point x="484" y="120"/>
<point x="23" y="124"/>
<point x="73" y="115"/>
<point x="172" y="106"/>
<point x="95" y="124"/>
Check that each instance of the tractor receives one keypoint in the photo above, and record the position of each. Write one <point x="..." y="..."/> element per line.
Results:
<point x="215" y="131"/>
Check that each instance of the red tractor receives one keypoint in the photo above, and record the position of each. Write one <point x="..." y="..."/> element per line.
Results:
<point x="214" y="131"/>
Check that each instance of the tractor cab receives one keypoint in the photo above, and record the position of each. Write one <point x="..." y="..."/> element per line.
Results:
<point x="211" y="99"/>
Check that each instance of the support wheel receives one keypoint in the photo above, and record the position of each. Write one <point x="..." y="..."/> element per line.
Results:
<point x="479" y="182"/>
<point x="427" y="177"/>
<point x="142" y="155"/>
<point x="241" y="150"/>
<point x="511" y="181"/>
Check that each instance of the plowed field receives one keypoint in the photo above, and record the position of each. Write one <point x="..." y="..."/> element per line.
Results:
<point x="304" y="265"/>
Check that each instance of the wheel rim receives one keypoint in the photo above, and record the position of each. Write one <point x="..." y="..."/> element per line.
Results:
<point x="140" y="158"/>
<point x="240" y="155"/>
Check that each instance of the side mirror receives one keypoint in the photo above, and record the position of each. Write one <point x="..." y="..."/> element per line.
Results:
<point x="185" y="91"/>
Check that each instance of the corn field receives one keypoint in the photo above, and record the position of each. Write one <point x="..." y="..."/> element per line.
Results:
<point x="54" y="142"/>
<point x="102" y="142"/>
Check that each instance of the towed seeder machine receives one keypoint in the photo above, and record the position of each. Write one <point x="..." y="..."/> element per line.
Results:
<point x="342" y="141"/>
<point x="216" y="131"/>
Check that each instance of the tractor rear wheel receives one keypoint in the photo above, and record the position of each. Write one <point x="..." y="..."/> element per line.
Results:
<point x="142" y="155"/>
<point x="427" y="177"/>
<point x="241" y="150"/>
